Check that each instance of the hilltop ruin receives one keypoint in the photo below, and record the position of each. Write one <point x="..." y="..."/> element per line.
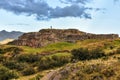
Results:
<point x="48" y="36"/>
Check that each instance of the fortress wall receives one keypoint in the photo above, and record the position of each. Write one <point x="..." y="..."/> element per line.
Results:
<point x="83" y="37"/>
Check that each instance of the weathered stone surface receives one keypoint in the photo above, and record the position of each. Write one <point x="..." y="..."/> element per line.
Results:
<point x="48" y="36"/>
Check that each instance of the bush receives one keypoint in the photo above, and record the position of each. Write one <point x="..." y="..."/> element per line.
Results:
<point x="62" y="58"/>
<point x="3" y="70"/>
<point x="28" y="71"/>
<point x="46" y="63"/>
<point x="1" y="51"/>
<point x="31" y="58"/>
<point x="109" y="72"/>
<point x="118" y="51"/>
<point x="2" y="58"/>
<point x="85" y="54"/>
<point x="54" y="60"/>
<point x="13" y="49"/>
<point x="79" y="76"/>
<point x="81" y="53"/>
<point x="15" y="65"/>
<point x="10" y="75"/>
<point x="21" y="66"/>
<point x="97" y="76"/>
<point x="89" y="69"/>
<point x="10" y="64"/>
<point x="96" y="53"/>
<point x="6" y="74"/>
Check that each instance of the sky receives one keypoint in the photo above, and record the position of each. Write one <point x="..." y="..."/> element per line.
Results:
<point x="93" y="16"/>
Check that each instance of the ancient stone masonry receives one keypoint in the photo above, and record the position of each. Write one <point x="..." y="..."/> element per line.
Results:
<point x="48" y="36"/>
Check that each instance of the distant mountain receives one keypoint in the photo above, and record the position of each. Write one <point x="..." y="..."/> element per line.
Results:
<point x="9" y="35"/>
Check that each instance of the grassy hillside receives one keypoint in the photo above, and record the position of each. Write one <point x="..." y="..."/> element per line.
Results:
<point x="61" y="46"/>
<point x="65" y="59"/>
<point x="91" y="70"/>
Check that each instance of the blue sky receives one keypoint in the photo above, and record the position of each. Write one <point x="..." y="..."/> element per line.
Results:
<point x="104" y="20"/>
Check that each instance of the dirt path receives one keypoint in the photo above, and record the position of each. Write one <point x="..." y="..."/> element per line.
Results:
<point x="49" y="76"/>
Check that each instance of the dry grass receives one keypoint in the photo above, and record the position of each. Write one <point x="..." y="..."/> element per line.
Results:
<point x="85" y="70"/>
<point x="109" y="46"/>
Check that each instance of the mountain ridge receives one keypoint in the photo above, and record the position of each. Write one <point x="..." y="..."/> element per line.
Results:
<point x="12" y="35"/>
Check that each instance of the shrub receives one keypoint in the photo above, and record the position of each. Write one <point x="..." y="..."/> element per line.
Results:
<point x="109" y="72"/>
<point x="105" y="58"/>
<point x="10" y="64"/>
<point x="28" y="71"/>
<point x="1" y="51"/>
<point x="21" y="66"/>
<point x="15" y="65"/>
<point x="46" y="63"/>
<point x="31" y="58"/>
<point x="97" y="76"/>
<point x="111" y="47"/>
<point x="118" y="51"/>
<point x="89" y="69"/>
<point x="79" y="76"/>
<point x="2" y="58"/>
<point x="96" y="53"/>
<point x="3" y="70"/>
<point x="54" y="60"/>
<point x="62" y="58"/>
<point x="14" y="49"/>
<point x="85" y="54"/>
<point x="6" y="74"/>
<point x="81" y="53"/>
<point x="111" y="53"/>
<point x="10" y="75"/>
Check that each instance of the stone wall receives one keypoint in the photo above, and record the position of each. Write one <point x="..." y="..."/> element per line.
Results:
<point x="48" y="36"/>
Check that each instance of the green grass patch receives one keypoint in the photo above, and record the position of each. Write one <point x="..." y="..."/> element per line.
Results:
<point x="50" y="48"/>
<point x="61" y="54"/>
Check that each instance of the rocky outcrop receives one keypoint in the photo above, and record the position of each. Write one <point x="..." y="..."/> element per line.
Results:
<point x="48" y="36"/>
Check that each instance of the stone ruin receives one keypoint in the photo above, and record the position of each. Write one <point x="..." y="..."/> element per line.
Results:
<point x="49" y="36"/>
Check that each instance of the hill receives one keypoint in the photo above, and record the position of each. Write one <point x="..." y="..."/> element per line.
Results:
<point x="48" y="36"/>
<point x="83" y="60"/>
<point x="86" y="60"/>
<point x="12" y="35"/>
<point x="70" y="55"/>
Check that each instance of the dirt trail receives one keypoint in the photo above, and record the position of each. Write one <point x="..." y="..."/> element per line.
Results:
<point x="49" y="76"/>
